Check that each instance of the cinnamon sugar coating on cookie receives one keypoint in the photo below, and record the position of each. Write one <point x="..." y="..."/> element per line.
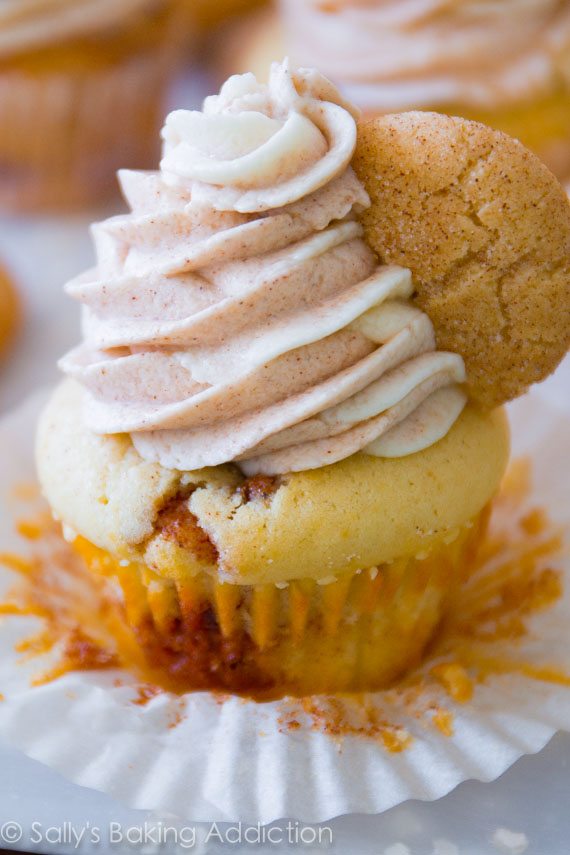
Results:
<point x="485" y="228"/>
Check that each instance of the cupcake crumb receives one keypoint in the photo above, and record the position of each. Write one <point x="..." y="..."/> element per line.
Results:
<point x="177" y="523"/>
<point x="259" y="487"/>
<point x="454" y="679"/>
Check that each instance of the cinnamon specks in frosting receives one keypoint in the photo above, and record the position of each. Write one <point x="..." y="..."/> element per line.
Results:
<point x="237" y="314"/>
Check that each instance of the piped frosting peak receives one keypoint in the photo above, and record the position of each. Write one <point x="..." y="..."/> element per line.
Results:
<point x="237" y="314"/>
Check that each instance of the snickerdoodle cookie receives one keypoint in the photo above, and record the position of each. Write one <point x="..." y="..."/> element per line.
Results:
<point x="485" y="229"/>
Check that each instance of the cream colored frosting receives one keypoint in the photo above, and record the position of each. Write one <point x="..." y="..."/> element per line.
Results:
<point x="237" y="314"/>
<point x="397" y="54"/>
<point x="28" y="24"/>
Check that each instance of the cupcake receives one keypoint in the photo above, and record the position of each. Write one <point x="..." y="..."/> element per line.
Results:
<point x="9" y="311"/>
<point x="261" y="443"/>
<point x="208" y="15"/>
<point x="504" y="64"/>
<point x="82" y="85"/>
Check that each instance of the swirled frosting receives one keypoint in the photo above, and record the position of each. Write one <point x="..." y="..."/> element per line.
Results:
<point x="237" y="314"/>
<point x="398" y="54"/>
<point x="28" y="24"/>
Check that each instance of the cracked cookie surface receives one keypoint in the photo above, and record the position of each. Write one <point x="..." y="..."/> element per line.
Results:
<point x="485" y="228"/>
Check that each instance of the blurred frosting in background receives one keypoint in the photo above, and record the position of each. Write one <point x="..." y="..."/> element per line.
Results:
<point x="503" y="62"/>
<point x="82" y="89"/>
<point x="391" y="54"/>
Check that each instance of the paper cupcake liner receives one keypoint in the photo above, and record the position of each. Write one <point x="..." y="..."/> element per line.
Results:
<point x="63" y="135"/>
<point x="204" y="757"/>
<point x="352" y="633"/>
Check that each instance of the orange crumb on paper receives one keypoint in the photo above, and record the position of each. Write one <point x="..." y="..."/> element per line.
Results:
<point x="346" y="716"/>
<point x="514" y="578"/>
<point x="13" y="609"/>
<point x="29" y="529"/>
<point x="535" y="521"/>
<point x="395" y="739"/>
<point x="16" y="563"/>
<point x="45" y="593"/>
<point x="82" y="653"/>
<point x="443" y="720"/>
<point x="177" y="713"/>
<point x="455" y="680"/>
<point x="145" y="693"/>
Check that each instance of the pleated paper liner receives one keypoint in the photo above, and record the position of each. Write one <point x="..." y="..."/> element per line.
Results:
<point x="357" y="632"/>
<point x="207" y="756"/>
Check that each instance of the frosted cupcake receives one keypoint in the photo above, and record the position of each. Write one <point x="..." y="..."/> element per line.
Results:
<point x="207" y="14"/>
<point x="505" y="64"/>
<point x="260" y="442"/>
<point x="82" y="85"/>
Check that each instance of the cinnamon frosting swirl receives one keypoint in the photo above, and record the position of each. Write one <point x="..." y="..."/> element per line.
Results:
<point x="237" y="314"/>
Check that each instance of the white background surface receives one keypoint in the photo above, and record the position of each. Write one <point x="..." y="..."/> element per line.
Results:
<point x="533" y="797"/>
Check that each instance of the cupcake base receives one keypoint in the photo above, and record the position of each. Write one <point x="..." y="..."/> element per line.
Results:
<point x="357" y="632"/>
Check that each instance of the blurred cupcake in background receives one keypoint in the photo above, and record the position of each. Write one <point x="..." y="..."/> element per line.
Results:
<point x="82" y="85"/>
<point x="506" y="64"/>
<point x="208" y="14"/>
<point x="10" y="311"/>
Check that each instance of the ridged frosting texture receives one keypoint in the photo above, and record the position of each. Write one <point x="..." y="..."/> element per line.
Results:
<point x="28" y="24"/>
<point x="397" y="54"/>
<point x="237" y="314"/>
